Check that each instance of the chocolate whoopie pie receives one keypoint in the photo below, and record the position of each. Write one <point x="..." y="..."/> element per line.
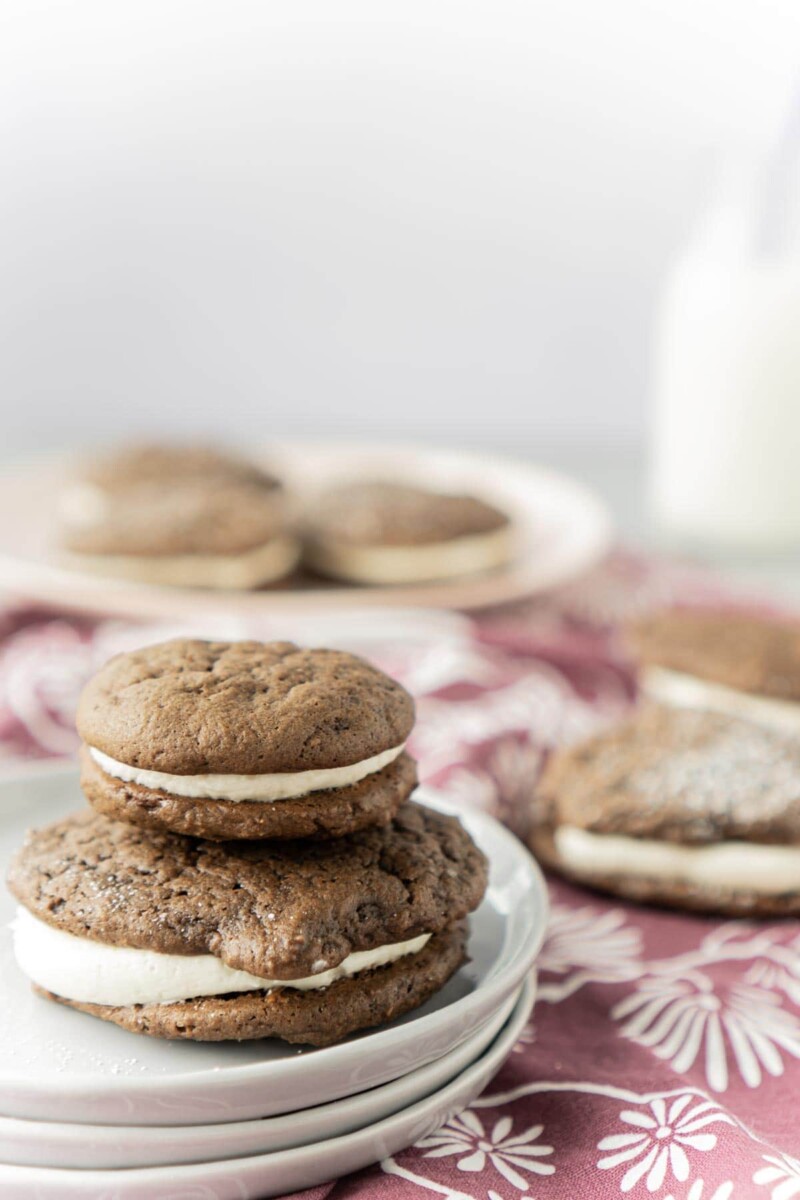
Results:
<point x="387" y="533"/>
<point x="679" y="806"/>
<point x="731" y="662"/>
<point x="186" y="516"/>
<point x="245" y="740"/>
<point x="209" y="941"/>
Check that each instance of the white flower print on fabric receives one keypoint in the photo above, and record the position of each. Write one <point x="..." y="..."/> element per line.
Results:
<point x="542" y="700"/>
<point x="591" y="939"/>
<point x="467" y="788"/>
<point x="625" y="586"/>
<point x="513" y="1155"/>
<point x="444" y="663"/>
<point x="779" y="970"/>
<point x="588" y="945"/>
<point x="742" y="1027"/>
<point x="41" y="676"/>
<point x="658" y="1138"/>
<point x="504" y="788"/>
<point x="696" y="1192"/>
<point x="782" y="1176"/>
<point x="525" y="1039"/>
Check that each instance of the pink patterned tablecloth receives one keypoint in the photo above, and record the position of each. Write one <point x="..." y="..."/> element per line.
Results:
<point x="663" y="1058"/>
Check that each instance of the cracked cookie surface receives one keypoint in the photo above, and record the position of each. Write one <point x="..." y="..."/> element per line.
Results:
<point x="159" y="462"/>
<point x="678" y="774"/>
<point x="390" y="514"/>
<point x="752" y="654"/>
<point x="281" y="910"/>
<point x="189" y="707"/>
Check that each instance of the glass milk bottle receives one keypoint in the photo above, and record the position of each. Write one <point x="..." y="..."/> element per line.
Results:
<point x="726" y="420"/>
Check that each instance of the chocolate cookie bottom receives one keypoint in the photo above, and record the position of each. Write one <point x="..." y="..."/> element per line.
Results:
<point x="316" y="1018"/>
<point x="327" y="814"/>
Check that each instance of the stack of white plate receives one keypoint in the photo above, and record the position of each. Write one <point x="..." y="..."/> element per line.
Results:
<point x="87" y="1109"/>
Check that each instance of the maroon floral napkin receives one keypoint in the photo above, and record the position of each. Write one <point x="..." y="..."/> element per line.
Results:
<point x="663" y="1057"/>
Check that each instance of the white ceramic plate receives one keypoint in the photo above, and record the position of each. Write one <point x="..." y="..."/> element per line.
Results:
<point x="96" y="1147"/>
<point x="563" y="529"/>
<point x="61" y="1061"/>
<point x="256" y="1178"/>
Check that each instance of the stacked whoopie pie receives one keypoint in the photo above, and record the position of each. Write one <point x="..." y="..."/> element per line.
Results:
<point x="694" y="801"/>
<point x="252" y="865"/>
<point x="185" y="516"/>
<point x="394" y="533"/>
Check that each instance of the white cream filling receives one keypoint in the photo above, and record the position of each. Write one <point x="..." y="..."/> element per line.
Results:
<point x="93" y="973"/>
<point x="688" y="691"/>
<point x="82" y="504"/>
<point x="283" y="786"/>
<point x="414" y="564"/>
<point x="734" y="865"/>
<point x="264" y="564"/>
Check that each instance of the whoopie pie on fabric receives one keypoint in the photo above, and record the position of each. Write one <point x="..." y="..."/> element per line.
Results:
<point x="677" y="806"/>
<point x="731" y="662"/>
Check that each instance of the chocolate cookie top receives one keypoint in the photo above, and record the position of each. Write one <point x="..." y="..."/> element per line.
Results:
<point x="678" y="774"/>
<point x="179" y="516"/>
<point x="242" y="708"/>
<point x="753" y="654"/>
<point x="392" y="514"/>
<point x="283" y="911"/>
<point x="163" y="463"/>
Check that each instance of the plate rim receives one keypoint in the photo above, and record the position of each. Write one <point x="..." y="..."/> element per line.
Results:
<point x="151" y="1138"/>
<point x="492" y="1059"/>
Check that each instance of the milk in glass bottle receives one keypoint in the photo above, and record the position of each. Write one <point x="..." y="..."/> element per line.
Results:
<point x="726" y="421"/>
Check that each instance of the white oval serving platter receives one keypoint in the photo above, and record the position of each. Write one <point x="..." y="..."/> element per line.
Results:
<point x="562" y="527"/>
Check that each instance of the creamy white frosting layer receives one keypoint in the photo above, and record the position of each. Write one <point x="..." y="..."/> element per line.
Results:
<point x="265" y="563"/>
<point x="687" y="691"/>
<point x="268" y="788"/>
<point x="94" y="973"/>
<point x="82" y="504"/>
<point x="414" y="564"/>
<point x="740" y="866"/>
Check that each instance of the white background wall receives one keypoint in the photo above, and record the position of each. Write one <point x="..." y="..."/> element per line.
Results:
<point x="435" y="218"/>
